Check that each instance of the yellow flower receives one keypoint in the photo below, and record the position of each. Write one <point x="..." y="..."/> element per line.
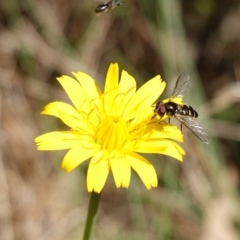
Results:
<point x="111" y="128"/>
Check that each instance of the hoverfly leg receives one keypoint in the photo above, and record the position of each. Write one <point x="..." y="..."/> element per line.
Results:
<point x="181" y="127"/>
<point x="153" y="116"/>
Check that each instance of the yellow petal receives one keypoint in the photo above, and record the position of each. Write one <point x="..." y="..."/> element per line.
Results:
<point x="165" y="147"/>
<point x="77" y="124"/>
<point x="77" y="155"/>
<point x="157" y="131"/>
<point x="73" y="90"/>
<point x="144" y="169"/>
<point x="97" y="172"/>
<point x="145" y="96"/>
<point x="90" y="87"/>
<point x="111" y="86"/>
<point x="112" y="77"/>
<point x="57" y="140"/>
<point x="126" y="90"/>
<point x="54" y="108"/>
<point x="145" y="115"/>
<point x="121" y="172"/>
<point x="69" y="115"/>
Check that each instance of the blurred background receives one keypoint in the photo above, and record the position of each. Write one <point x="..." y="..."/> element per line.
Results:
<point x="41" y="40"/>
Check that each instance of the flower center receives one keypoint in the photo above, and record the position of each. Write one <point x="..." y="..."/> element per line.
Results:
<point x="112" y="133"/>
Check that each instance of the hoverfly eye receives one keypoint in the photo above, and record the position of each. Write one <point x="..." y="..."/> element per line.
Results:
<point x="162" y="109"/>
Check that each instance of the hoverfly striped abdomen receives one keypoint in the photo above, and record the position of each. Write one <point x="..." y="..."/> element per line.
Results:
<point x="187" y="111"/>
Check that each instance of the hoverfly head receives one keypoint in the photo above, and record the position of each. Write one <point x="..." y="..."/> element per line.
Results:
<point x="160" y="109"/>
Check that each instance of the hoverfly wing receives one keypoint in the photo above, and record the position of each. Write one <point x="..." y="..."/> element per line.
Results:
<point x="192" y="124"/>
<point x="182" y="85"/>
<point x="115" y="3"/>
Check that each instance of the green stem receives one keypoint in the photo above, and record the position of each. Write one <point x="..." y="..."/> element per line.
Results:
<point x="92" y="213"/>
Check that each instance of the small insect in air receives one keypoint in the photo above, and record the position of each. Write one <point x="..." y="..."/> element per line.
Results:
<point x="185" y="114"/>
<point x="105" y="7"/>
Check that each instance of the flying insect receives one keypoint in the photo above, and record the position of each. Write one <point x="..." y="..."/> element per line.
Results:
<point x="105" y="7"/>
<point x="185" y="114"/>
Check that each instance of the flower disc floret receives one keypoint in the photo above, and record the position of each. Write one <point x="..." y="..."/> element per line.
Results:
<point x="112" y="133"/>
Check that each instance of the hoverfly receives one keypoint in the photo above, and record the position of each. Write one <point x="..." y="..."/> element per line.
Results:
<point x="105" y="7"/>
<point x="185" y="114"/>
